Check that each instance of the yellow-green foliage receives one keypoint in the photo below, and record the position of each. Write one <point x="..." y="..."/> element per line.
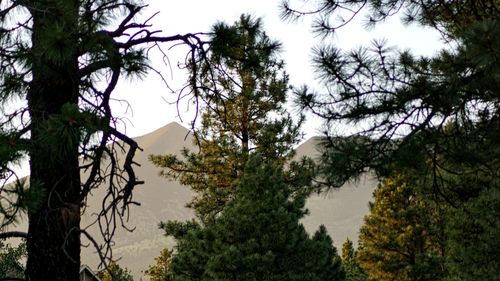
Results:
<point x="115" y="273"/>
<point x="399" y="240"/>
<point x="244" y="113"/>
<point x="353" y="271"/>
<point x="159" y="271"/>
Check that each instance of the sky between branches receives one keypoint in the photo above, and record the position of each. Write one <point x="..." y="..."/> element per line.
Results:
<point x="149" y="98"/>
<point x="148" y="103"/>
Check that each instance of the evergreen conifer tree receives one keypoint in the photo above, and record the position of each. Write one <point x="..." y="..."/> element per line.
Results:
<point x="397" y="240"/>
<point x="353" y="271"/>
<point x="472" y="245"/>
<point x="161" y="270"/>
<point x="257" y="237"/>
<point x="436" y="116"/>
<point x="243" y="113"/>
<point x="408" y="108"/>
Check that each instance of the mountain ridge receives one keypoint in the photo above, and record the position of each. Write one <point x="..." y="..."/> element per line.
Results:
<point x="341" y="211"/>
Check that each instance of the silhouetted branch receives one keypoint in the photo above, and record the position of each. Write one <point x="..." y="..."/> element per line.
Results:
<point x="13" y="234"/>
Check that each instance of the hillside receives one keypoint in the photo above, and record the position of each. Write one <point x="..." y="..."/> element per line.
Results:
<point x="341" y="211"/>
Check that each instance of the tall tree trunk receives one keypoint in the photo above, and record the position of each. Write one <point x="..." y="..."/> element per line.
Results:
<point x="53" y="234"/>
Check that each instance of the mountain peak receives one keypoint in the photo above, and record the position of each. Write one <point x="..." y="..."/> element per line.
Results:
<point x="173" y="133"/>
<point x="171" y="128"/>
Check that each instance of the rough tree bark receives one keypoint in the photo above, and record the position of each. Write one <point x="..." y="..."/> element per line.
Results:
<point x="53" y="236"/>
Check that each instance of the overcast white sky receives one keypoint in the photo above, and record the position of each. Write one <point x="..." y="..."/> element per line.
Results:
<point x="147" y="97"/>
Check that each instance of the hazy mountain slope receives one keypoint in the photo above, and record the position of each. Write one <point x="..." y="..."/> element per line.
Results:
<point x="341" y="211"/>
<point x="160" y="200"/>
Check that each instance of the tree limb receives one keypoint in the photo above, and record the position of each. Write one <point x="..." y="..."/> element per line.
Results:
<point x="13" y="234"/>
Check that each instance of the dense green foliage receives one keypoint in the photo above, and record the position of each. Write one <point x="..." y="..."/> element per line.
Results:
<point x="350" y="263"/>
<point x="243" y="112"/>
<point x="413" y="235"/>
<point x="248" y="227"/>
<point x="473" y="244"/>
<point x="436" y="118"/>
<point x="257" y="237"/>
<point x="409" y="108"/>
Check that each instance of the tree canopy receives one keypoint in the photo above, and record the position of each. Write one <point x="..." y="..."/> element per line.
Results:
<point x="407" y="107"/>
<point x="248" y="221"/>
<point x="350" y="263"/>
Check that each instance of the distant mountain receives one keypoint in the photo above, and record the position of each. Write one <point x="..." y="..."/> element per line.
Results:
<point x="341" y="211"/>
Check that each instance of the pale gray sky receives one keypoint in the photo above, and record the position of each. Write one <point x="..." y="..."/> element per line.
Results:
<point x="147" y="97"/>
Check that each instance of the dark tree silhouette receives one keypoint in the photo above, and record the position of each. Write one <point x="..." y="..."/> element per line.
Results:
<point x="61" y="60"/>
<point x="407" y="108"/>
<point x="437" y="117"/>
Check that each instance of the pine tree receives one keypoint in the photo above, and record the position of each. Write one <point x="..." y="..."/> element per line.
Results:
<point x="257" y="237"/>
<point x="328" y="263"/>
<point x="350" y="263"/>
<point x="472" y="244"/>
<point x="436" y="116"/>
<point x="243" y="112"/>
<point x="397" y="240"/>
<point x="60" y="61"/>
<point x="161" y="270"/>
<point x="115" y="273"/>
<point x="413" y="108"/>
